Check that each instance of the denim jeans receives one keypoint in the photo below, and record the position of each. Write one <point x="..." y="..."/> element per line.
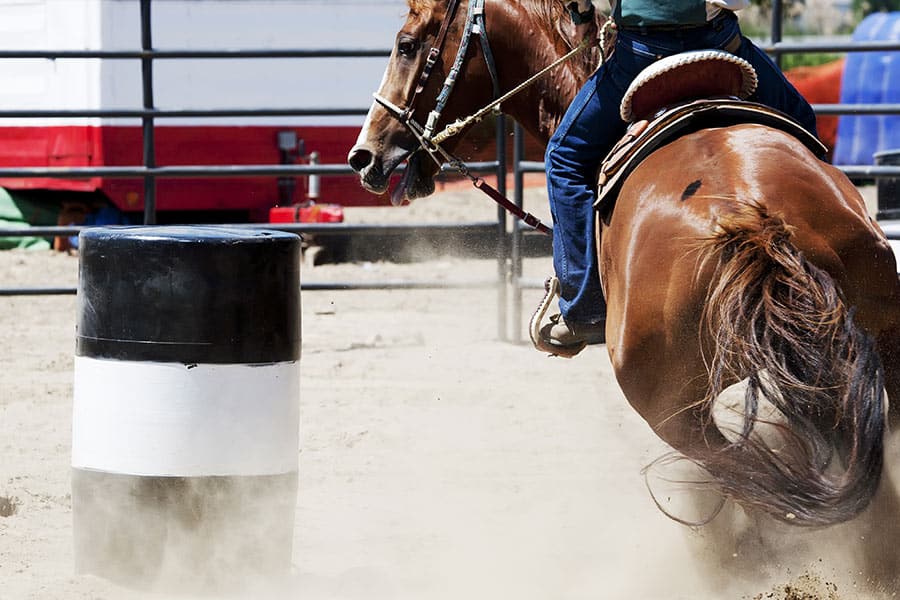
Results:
<point x="592" y="125"/>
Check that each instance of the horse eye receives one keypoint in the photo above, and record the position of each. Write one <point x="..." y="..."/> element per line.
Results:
<point x="407" y="47"/>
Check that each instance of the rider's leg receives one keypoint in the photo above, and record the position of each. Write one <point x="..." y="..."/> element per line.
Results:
<point x="774" y="89"/>
<point x="587" y="132"/>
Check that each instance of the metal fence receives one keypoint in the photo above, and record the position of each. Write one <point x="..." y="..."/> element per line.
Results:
<point x="509" y="246"/>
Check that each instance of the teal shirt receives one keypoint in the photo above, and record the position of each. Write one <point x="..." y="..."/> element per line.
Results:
<point x="647" y="13"/>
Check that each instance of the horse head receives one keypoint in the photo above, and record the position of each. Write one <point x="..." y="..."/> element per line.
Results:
<point x="410" y="83"/>
<point x="524" y="36"/>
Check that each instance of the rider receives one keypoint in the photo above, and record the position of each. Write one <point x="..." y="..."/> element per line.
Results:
<point x="647" y="30"/>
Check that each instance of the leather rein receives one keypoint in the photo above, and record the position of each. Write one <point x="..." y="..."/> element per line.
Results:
<point x="425" y="135"/>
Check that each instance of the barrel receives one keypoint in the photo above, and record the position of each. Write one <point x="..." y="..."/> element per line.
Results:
<point x="186" y="405"/>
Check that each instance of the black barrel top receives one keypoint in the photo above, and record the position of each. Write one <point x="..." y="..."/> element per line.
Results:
<point x="189" y="294"/>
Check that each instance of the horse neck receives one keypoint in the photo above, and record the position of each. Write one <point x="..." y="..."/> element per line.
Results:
<point x="528" y="44"/>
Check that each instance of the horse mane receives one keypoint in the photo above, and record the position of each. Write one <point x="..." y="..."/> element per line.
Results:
<point x="552" y="14"/>
<point x="547" y="10"/>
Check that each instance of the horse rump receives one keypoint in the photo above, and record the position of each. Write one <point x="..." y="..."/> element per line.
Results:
<point x="781" y="324"/>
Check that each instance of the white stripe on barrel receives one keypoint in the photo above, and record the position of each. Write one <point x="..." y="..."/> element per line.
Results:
<point x="186" y="405"/>
<point x="211" y="420"/>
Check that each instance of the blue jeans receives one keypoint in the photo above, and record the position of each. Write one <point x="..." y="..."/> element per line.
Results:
<point x="591" y="127"/>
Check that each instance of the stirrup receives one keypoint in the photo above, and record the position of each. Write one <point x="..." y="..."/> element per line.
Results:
<point x="551" y="291"/>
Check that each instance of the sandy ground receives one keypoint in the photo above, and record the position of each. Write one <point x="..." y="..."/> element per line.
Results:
<point x="435" y="461"/>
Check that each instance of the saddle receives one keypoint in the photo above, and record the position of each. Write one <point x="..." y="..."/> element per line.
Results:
<point x="682" y="94"/>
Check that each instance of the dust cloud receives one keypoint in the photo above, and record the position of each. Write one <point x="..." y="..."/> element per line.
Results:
<point x="437" y="462"/>
<point x="172" y="535"/>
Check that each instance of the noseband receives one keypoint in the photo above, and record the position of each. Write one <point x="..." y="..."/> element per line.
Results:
<point x="474" y="24"/>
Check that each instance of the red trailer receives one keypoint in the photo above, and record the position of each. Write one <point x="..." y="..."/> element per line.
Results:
<point x="193" y="84"/>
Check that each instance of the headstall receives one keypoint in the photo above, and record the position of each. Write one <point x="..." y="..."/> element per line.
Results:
<point x="425" y="135"/>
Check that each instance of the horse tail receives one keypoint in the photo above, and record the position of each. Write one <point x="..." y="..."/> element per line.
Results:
<point x="780" y="322"/>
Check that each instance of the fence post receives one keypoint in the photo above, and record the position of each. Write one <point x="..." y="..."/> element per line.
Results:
<point x="147" y="121"/>
<point x="502" y="246"/>
<point x="777" y="12"/>
<point x="516" y="251"/>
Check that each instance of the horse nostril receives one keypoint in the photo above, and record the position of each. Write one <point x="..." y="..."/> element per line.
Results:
<point x="359" y="159"/>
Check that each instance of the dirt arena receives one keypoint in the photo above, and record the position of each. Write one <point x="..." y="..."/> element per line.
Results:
<point x="436" y="462"/>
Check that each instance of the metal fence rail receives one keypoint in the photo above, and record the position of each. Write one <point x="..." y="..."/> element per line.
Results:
<point x="150" y="172"/>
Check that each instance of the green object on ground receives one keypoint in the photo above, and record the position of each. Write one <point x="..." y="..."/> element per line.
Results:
<point x="19" y="211"/>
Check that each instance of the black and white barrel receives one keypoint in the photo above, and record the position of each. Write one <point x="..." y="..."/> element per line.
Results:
<point x="186" y="404"/>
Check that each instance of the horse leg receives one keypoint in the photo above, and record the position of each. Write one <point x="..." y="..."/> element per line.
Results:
<point x="889" y="351"/>
<point x="879" y="548"/>
<point x="874" y="291"/>
<point x="878" y="530"/>
<point x="724" y="539"/>
<point x="867" y="272"/>
<point x="740" y="548"/>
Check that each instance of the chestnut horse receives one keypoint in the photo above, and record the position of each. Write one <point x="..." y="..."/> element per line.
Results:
<point x="776" y="275"/>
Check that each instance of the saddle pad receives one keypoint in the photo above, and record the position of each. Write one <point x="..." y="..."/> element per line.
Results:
<point x="644" y="137"/>
<point x="687" y="76"/>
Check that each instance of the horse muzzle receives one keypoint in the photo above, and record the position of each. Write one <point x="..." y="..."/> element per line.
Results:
<point x="375" y="173"/>
<point x="372" y="174"/>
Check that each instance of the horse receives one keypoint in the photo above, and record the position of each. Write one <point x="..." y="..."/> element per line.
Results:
<point x="773" y="275"/>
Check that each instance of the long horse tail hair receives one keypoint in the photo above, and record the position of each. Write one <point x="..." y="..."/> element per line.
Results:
<point x="781" y="323"/>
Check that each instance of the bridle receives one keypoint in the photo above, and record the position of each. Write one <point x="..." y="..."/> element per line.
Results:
<point x="474" y="25"/>
<point x="425" y="135"/>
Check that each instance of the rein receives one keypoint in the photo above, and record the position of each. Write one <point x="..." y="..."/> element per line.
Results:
<point x="459" y="165"/>
<point x="425" y="135"/>
<point x="457" y="126"/>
